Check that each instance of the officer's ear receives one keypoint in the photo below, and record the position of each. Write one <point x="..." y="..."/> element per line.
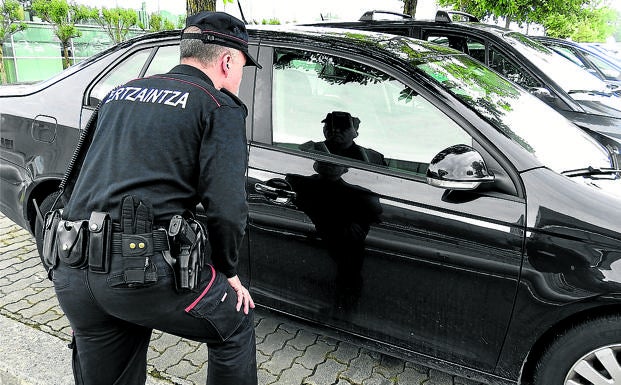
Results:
<point x="226" y="60"/>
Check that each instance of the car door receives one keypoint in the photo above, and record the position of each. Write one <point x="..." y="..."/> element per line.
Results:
<point x="362" y="243"/>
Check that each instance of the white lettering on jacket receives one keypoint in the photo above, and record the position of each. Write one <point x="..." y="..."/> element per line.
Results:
<point x="149" y="95"/>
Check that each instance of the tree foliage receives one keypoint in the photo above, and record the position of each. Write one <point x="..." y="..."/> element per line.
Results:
<point x="11" y="22"/>
<point x="589" y="25"/>
<point x="117" y="22"/>
<point x="580" y="20"/>
<point x="519" y="11"/>
<point x="11" y="19"/>
<point x="63" y="18"/>
<point x="157" y="22"/>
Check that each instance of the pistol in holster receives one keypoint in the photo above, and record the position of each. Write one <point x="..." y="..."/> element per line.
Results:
<point x="187" y="248"/>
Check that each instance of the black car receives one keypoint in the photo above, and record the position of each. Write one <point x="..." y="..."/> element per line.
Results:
<point x="573" y="91"/>
<point x="479" y="235"/>
<point x="593" y="60"/>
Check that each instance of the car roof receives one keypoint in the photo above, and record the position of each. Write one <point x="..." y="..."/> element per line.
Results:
<point x="346" y="40"/>
<point x="366" y="23"/>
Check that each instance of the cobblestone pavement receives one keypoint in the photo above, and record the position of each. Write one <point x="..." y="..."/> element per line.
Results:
<point x="286" y="353"/>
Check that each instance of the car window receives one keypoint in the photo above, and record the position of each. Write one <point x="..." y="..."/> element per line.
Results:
<point x="164" y="59"/>
<point x="568" y="54"/>
<point x="607" y="69"/>
<point x="403" y="31"/>
<point x="396" y="127"/>
<point x="127" y="70"/>
<point x="499" y="62"/>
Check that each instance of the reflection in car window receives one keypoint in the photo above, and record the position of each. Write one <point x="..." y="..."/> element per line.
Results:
<point x="568" y="54"/>
<point x="538" y="128"/>
<point x="566" y="74"/>
<point x="609" y="71"/>
<point x="127" y="70"/>
<point x="393" y="119"/>
<point x="164" y="59"/>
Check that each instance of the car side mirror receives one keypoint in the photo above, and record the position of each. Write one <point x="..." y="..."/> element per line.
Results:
<point x="459" y="167"/>
<point x="543" y="94"/>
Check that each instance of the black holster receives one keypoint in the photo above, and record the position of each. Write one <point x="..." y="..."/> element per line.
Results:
<point x="50" y="226"/>
<point x="187" y="251"/>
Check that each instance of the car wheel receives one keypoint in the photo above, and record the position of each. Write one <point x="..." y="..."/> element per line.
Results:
<point x="587" y="354"/>
<point x="44" y="206"/>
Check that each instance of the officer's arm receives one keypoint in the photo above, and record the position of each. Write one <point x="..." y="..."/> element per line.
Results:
<point x="222" y="184"/>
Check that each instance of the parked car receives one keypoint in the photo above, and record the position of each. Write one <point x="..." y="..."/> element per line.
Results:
<point x="486" y="241"/>
<point x="603" y="66"/>
<point x="571" y="90"/>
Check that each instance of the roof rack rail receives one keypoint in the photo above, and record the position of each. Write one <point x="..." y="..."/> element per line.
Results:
<point x="444" y="16"/>
<point x="369" y="15"/>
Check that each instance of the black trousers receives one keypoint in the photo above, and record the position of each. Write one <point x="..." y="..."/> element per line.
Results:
<point x="112" y="324"/>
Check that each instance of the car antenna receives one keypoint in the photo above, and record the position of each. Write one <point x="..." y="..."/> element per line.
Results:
<point x="241" y="12"/>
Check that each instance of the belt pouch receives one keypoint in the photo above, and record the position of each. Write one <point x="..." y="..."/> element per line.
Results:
<point x="48" y="252"/>
<point x="72" y="243"/>
<point x="137" y="250"/>
<point x="99" y="242"/>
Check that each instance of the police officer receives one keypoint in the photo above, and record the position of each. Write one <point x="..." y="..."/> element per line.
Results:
<point x="162" y="145"/>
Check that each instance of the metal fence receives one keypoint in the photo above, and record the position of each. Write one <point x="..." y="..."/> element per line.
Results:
<point x="36" y="54"/>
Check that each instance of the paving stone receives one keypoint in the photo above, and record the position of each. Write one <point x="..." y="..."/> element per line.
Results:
<point x="199" y="355"/>
<point x="302" y="340"/>
<point x="326" y="373"/>
<point x="315" y="355"/>
<point x="281" y="360"/>
<point x="345" y="352"/>
<point x="412" y="376"/>
<point x="378" y="379"/>
<point x="274" y="341"/>
<point x="265" y="377"/>
<point x="265" y="327"/>
<point x="360" y="368"/>
<point x="294" y="375"/>
<point x="200" y="377"/>
<point x="163" y="342"/>
<point x="182" y="369"/>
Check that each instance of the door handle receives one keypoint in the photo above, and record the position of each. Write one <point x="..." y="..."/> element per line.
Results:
<point x="278" y="195"/>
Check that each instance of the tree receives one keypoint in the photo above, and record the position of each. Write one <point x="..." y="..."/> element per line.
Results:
<point x="520" y="11"/>
<point x="196" y="6"/>
<point x="117" y="22"/>
<point x="409" y="7"/>
<point x="11" y="22"/>
<point x="63" y="18"/>
<point x="157" y="22"/>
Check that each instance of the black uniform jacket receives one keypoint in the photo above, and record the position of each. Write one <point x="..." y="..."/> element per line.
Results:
<point x="174" y="141"/>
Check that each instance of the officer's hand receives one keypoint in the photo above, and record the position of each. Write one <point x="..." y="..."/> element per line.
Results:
<point x="243" y="295"/>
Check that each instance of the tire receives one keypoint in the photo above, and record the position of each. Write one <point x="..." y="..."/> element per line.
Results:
<point x="587" y="354"/>
<point x="44" y="206"/>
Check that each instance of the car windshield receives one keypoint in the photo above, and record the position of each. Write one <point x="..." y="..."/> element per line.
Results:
<point x="554" y="140"/>
<point x="572" y="78"/>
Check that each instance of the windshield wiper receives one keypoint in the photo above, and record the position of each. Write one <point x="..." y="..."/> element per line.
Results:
<point x="591" y="171"/>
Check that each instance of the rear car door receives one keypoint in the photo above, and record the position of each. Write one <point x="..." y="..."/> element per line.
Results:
<point x="362" y="243"/>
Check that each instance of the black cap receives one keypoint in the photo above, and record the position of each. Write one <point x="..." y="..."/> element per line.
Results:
<point x="222" y="29"/>
<point x="341" y="119"/>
